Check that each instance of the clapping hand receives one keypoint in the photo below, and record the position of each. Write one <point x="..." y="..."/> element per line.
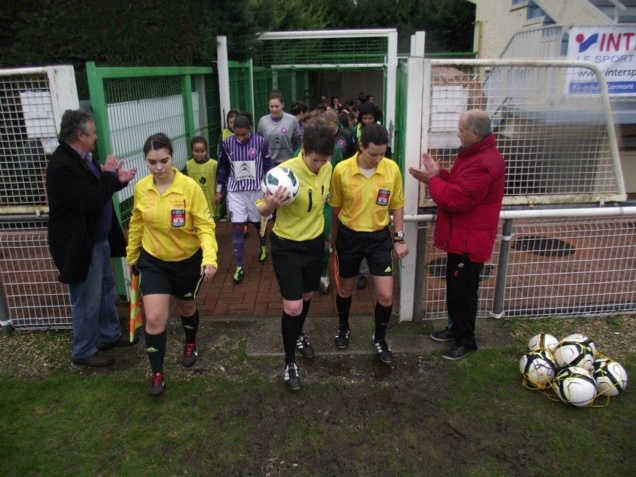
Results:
<point x="112" y="164"/>
<point x="431" y="169"/>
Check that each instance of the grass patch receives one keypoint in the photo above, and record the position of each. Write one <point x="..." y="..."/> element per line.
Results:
<point x="231" y="415"/>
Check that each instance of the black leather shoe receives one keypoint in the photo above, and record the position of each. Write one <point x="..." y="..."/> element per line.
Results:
<point x="362" y="282"/>
<point x="95" y="360"/>
<point x="443" y="335"/>
<point x="457" y="352"/>
<point x="122" y="341"/>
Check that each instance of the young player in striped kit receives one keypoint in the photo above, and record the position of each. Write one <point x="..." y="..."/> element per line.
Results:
<point x="243" y="162"/>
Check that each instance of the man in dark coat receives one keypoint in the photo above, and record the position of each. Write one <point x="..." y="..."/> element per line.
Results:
<point x="83" y="235"/>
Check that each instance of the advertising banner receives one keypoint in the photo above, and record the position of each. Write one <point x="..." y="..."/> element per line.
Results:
<point x="613" y="50"/>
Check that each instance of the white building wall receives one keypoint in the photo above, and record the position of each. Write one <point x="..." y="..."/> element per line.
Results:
<point x="496" y="21"/>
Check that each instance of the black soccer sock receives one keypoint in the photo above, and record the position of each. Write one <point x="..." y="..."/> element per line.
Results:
<point x="289" y="329"/>
<point x="382" y="317"/>
<point x="156" y="349"/>
<point x="303" y="316"/>
<point x="191" y="326"/>
<point x="343" y="306"/>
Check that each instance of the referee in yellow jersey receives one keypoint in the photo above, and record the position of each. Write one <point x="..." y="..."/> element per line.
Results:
<point x="297" y="241"/>
<point x="365" y="189"/>
<point x="172" y="245"/>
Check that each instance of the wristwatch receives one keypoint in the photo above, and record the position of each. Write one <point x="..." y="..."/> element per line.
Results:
<point x="398" y="236"/>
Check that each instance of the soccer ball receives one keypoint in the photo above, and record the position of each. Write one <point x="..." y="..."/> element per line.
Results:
<point x="543" y="341"/>
<point x="538" y="368"/>
<point x="575" y="386"/>
<point x="282" y="176"/>
<point x="574" y="353"/>
<point x="579" y="338"/>
<point x="610" y="376"/>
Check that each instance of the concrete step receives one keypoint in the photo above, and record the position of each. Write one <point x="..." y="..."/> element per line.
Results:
<point x="265" y="338"/>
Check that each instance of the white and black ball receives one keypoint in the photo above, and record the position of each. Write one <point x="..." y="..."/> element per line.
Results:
<point x="285" y="177"/>
<point x="538" y="368"/>
<point x="575" y="386"/>
<point x="610" y="377"/>
<point x="574" y="353"/>
<point x="580" y="338"/>
<point x="543" y="341"/>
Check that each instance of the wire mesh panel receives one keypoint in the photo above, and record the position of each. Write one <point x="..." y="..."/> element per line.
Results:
<point x="357" y="52"/>
<point x="209" y="124"/>
<point x="28" y="132"/>
<point x="262" y="87"/>
<point x="131" y="104"/>
<point x="559" y="145"/>
<point x="285" y="82"/>
<point x="32" y="294"/>
<point x="555" y="268"/>
<point x="542" y="42"/>
<point x="240" y="85"/>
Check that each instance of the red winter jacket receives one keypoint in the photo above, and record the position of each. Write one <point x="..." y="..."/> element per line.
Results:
<point x="469" y="201"/>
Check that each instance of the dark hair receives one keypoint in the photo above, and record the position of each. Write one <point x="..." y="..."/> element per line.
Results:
<point x="232" y="113"/>
<point x="298" y="107"/>
<point x="197" y="140"/>
<point x="242" y="121"/>
<point x="344" y="119"/>
<point x="374" y="133"/>
<point x="156" y="142"/>
<point x="275" y="94"/>
<point x="73" y="122"/>
<point x="368" y="108"/>
<point x="317" y="137"/>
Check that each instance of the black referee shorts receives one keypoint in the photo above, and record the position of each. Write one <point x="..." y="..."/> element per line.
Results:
<point x="297" y="265"/>
<point x="180" y="279"/>
<point x="352" y="247"/>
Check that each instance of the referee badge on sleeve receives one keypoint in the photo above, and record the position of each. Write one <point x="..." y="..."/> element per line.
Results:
<point x="178" y="217"/>
<point x="383" y="197"/>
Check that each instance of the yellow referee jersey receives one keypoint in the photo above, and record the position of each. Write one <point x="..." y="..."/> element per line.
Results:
<point x="366" y="202"/>
<point x="303" y="219"/>
<point x="172" y="226"/>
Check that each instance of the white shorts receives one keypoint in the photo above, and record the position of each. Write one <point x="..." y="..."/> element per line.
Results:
<point x="242" y="206"/>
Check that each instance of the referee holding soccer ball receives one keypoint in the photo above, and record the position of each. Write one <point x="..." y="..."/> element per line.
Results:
<point x="297" y="241"/>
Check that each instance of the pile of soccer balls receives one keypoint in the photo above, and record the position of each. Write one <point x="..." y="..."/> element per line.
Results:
<point x="572" y="368"/>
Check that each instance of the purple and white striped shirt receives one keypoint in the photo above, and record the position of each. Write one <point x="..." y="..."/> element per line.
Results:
<point x="242" y="166"/>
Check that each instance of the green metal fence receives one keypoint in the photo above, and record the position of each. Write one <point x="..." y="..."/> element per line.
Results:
<point x="322" y="51"/>
<point x="131" y="104"/>
<point x="262" y="87"/>
<point x="399" y="138"/>
<point x="241" y="85"/>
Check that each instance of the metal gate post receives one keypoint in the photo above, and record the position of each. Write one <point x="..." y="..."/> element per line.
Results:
<point x="502" y="269"/>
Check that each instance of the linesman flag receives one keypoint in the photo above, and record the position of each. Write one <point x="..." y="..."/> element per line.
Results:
<point x="136" y="320"/>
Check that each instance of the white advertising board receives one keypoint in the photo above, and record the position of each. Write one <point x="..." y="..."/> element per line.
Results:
<point x="613" y="50"/>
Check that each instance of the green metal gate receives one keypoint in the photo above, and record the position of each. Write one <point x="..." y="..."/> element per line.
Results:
<point x="131" y="104"/>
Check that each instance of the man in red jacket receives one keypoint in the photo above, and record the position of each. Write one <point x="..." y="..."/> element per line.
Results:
<point x="469" y="200"/>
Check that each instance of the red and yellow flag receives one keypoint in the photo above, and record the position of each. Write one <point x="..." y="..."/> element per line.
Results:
<point x="136" y="320"/>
